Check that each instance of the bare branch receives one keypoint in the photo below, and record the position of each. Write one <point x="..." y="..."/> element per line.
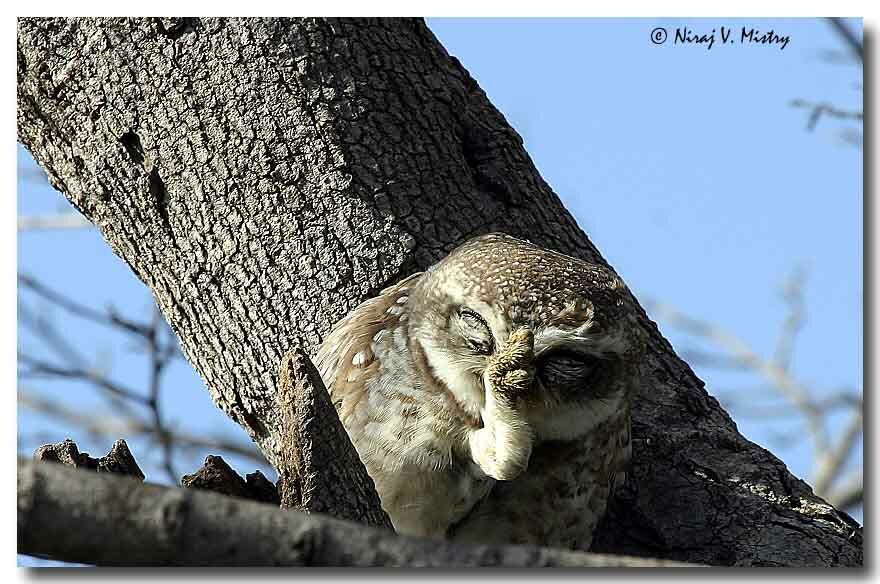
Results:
<point x="797" y="394"/>
<point x="58" y="221"/>
<point x="715" y="360"/>
<point x="855" y="45"/>
<point x="38" y="368"/>
<point x="817" y="110"/>
<point x="850" y="493"/>
<point x="159" y="344"/>
<point x="747" y="406"/>
<point x="158" y="361"/>
<point x="111" y="318"/>
<point x="66" y="514"/>
<point x="829" y="465"/>
<point x="49" y="335"/>
<point x="109" y="426"/>
<point x="793" y="293"/>
<point x="828" y="459"/>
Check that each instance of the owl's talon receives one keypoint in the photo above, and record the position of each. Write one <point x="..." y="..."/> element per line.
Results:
<point x="511" y="370"/>
<point x="501" y="454"/>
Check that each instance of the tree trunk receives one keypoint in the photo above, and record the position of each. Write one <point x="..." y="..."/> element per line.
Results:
<point x="264" y="176"/>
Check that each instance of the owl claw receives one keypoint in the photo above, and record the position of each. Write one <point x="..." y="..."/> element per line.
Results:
<point x="511" y="370"/>
<point x="503" y="446"/>
<point x="502" y="455"/>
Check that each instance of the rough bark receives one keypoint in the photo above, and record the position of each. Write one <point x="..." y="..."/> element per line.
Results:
<point x="118" y="461"/>
<point x="263" y="177"/>
<point x="161" y="526"/>
<point x="217" y="476"/>
<point x="320" y="470"/>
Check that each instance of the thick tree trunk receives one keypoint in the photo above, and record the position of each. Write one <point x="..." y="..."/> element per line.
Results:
<point x="263" y="177"/>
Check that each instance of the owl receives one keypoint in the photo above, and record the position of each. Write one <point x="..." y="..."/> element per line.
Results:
<point x="489" y="396"/>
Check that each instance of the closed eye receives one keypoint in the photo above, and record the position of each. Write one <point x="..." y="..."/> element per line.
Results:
<point x="567" y="370"/>
<point x="475" y="331"/>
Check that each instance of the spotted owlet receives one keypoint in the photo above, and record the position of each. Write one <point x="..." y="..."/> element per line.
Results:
<point x="469" y="391"/>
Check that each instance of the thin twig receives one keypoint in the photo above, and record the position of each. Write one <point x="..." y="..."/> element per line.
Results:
<point x="749" y="407"/>
<point x="855" y="45"/>
<point x="157" y="366"/>
<point x="797" y="394"/>
<point x="828" y="467"/>
<point x="111" y="318"/>
<point x="793" y="294"/>
<point x="57" y="221"/>
<point x="114" y="427"/>
<point x="38" y="368"/>
<point x="49" y="335"/>
<point x="850" y="493"/>
<point x="829" y="459"/>
<point x="817" y="110"/>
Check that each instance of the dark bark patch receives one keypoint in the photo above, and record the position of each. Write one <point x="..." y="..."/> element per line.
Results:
<point x="216" y="475"/>
<point x="160" y="197"/>
<point x="174" y="28"/>
<point x="132" y="144"/>
<point x="253" y="422"/>
<point x="118" y="461"/>
<point x="478" y="154"/>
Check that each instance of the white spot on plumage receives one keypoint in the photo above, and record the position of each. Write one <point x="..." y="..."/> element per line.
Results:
<point x="362" y="358"/>
<point x="408" y="418"/>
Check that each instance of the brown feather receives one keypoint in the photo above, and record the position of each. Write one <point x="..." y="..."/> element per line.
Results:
<point x="346" y="382"/>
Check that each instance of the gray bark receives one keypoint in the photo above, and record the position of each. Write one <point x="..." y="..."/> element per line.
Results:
<point x="161" y="526"/>
<point x="320" y="470"/>
<point x="119" y="460"/>
<point x="217" y="476"/>
<point x="262" y="177"/>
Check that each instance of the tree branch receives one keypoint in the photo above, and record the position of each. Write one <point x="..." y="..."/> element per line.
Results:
<point x="850" y="493"/>
<point x="797" y="394"/>
<point x="320" y="471"/>
<point x="108" y="426"/>
<point x="58" y="221"/>
<point x="829" y="465"/>
<point x="829" y="458"/>
<point x="111" y="318"/>
<point x="163" y="526"/>
<point x="849" y="37"/>
<point x="37" y="368"/>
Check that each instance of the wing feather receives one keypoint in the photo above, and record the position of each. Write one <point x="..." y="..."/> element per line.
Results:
<point x="345" y="359"/>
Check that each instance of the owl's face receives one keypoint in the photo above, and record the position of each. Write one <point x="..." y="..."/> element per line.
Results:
<point x="452" y="384"/>
<point x="466" y="307"/>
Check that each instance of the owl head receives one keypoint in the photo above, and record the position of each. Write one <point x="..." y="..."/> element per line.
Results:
<point x="464" y="309"/>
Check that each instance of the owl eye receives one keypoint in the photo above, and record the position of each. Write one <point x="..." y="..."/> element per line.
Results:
<point x="566" y="370"/>
<point x="475" y="331"/>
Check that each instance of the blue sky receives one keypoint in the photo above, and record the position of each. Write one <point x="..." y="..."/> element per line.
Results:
<point x="687" y="167"/>
<point x="695" y="177"/>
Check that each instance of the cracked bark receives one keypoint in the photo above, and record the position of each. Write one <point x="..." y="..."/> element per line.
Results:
<point x="161" y="526"/>
<point x="320" y="470"/>
<point x="264" y="176"/>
